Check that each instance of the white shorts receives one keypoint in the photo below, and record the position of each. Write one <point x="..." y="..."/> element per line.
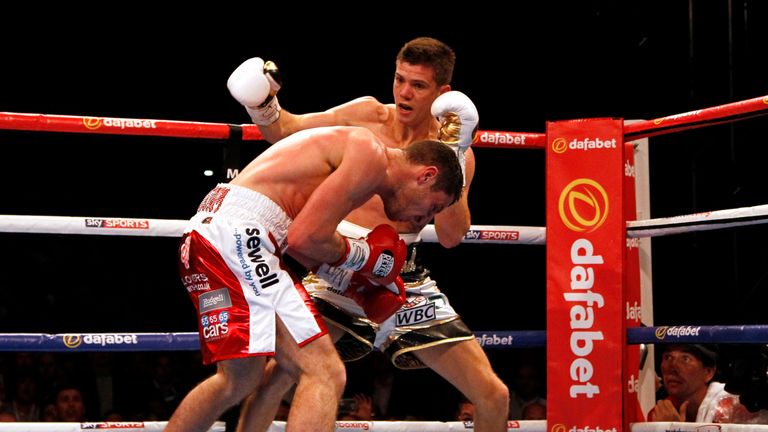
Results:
<point x="231" y="265"/>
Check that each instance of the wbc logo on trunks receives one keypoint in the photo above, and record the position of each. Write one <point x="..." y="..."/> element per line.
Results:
<point x="583" y="205"/>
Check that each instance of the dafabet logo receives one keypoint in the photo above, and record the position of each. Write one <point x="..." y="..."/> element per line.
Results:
<point x="91" y="123"/>
<point x="583" y="205"/>
<point x="559" y="427"/>
<point x="72" y="341"/>
<point x="559" y="145"/>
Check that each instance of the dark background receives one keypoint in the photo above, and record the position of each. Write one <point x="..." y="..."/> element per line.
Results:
<point x="522" y="65"/>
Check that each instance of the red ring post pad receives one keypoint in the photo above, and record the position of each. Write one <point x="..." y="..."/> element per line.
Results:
<point x="586" y="237"/>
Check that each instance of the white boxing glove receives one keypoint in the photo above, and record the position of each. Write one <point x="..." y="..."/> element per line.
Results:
<point x="255" y="84"/>
<point x="458" y="119"/>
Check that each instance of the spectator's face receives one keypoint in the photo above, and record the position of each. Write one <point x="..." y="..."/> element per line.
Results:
<point x="527" y="382"/>
<point x="535" y="411"/>
<point x="466" y="412"/>
<point x="69" y="406"/>
<point x="683" y="374"/>
<point x="26" y="389"/>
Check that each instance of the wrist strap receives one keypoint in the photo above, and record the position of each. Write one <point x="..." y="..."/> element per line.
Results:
<point x="356" y="256"/>
<point x="266" y="113"/>
<point x="335" y="276"/>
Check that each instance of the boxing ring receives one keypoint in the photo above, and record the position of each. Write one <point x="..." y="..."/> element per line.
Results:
<point x="631" y="231"/>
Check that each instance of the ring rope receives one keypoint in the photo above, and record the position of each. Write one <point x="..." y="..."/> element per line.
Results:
<point x="504" y="339"/>
<point x="133" y="426"/>
<point x="378" y="426"/>
<point x="505" y="234"/>
<point x="202" y="130"/>
<point x="727" y="113"/>
<point x="704" y="221"/>
<point x="175" y="228"/>
<point x="383" y="426"/>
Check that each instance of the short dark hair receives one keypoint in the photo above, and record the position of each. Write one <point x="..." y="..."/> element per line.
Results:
<point x="706" y="353"/>
<point x="431" y="52"/>
<point x="431" y="152"/>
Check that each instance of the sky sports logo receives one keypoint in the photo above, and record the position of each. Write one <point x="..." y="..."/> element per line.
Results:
<point x="112" y="425"/>
<point x="492" y="235"/>
<point x="117" y="223"/>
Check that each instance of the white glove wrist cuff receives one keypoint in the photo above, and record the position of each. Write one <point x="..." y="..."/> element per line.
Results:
<point x="357" y="254"/>
<point x="335" y="276"/>
<point x="267" y="113"/>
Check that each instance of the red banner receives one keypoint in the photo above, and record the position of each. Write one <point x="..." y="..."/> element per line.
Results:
<point x="585" y="252"/>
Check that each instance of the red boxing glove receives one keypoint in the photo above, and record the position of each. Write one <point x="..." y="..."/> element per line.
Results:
<point x="379" y="256"/>
<point x="378" y="302"/>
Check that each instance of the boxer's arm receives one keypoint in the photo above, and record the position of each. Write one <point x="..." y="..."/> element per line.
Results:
<point x="357" y="112"/>
<point x="452" y="224"/>
<point x="360" y="171"/>
<point x="458" y="119"/>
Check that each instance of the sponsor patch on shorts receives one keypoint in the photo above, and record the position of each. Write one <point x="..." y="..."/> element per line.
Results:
<point x="415" y="315"/>
<point x="216" y="299"/>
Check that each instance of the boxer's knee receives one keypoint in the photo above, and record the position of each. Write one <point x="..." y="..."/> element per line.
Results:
<point x="494" y="396"/>
<point x="235" y="379"/>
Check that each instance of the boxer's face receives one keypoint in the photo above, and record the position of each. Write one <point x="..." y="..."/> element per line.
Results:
<point x="414" y="90"/>
<point x="418" y="204"/>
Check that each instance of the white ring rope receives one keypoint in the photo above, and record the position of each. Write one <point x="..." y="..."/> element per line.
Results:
<point x="175" y="227"/>
<point x="137" y="426"/>
<point x="375" y="426"/>
<point x="421" y="426"/>
<point x="705" y="221"/>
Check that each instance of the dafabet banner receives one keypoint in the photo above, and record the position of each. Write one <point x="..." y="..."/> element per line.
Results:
<point x="586" y="239"/>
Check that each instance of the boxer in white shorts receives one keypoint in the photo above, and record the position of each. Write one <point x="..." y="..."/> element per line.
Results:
<point x="290" y="200"/>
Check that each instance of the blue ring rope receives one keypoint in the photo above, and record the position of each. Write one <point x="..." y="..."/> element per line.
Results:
<point x="488" y="339"/>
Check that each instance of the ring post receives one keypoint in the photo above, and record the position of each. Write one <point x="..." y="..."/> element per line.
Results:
<point x="632" y="311"/>
<point x="586" y="232"/>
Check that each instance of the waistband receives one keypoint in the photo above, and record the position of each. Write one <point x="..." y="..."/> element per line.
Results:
<point x="246" y="204"/>
<point x="348" y="229"/>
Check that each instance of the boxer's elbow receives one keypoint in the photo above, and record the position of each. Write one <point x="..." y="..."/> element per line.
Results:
<point x="450" y="238"/>
<point x="301" y="241"/>
<point x="452" y="225"/>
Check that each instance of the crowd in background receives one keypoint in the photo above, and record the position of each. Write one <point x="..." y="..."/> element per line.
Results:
<point x="147" y="386"/>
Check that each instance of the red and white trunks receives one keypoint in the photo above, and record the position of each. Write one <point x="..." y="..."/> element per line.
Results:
<point x="230" y="263"/>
